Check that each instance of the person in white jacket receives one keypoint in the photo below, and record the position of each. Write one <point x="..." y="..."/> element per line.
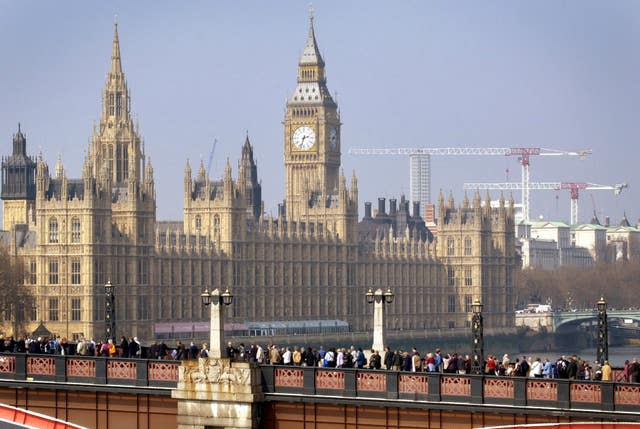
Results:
<point x="536" y="368"/>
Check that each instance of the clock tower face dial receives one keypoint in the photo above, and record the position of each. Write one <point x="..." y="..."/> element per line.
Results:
<point x="333" y="138"/>
<point x="304" y="138"/>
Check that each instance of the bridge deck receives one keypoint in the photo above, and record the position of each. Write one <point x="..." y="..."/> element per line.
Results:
<point x="615" y="400"/>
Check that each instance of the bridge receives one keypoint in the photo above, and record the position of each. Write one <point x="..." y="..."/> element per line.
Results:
<point x="562" y="318"/>
<point x="134" y="393"/>
<point x="566" y="320"/>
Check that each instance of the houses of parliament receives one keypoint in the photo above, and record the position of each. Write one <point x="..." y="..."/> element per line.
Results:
<point x="314" y="261"/>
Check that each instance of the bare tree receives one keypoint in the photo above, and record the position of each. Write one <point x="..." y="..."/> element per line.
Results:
<point x="580" y="287"/>
<point x="15" y="298"/>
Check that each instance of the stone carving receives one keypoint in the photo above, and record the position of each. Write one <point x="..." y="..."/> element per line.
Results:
<point x="211" y="370"/>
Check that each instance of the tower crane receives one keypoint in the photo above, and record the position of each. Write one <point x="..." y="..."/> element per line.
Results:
<point x="573" y="187"/>
<point x="213" y="149"/>
<point x="419" y="159"/>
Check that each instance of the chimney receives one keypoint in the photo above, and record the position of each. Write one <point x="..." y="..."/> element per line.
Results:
<point x="367" y="210"/>
<point x="392" y="206"/>
<point x="381" y="208"/>
<point x="607" y="221"/>
<point x="416" y="209"/>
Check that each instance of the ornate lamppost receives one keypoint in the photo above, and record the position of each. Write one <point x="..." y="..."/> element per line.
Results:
<point x="603" y="334"/>
<point x="478" y="339"/>
<point x="216" y="327"/>
<point x="110" y="311"/>
<point x="379" y="298"/>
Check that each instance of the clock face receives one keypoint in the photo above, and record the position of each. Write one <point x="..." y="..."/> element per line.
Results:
<point x="304" y="138"/>
<point x="333" y="138"/>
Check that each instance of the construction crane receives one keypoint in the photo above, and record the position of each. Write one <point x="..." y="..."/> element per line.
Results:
<point x="213" y="149"/>
<point x="573" y="187"/>
<point x="419" y="164"/>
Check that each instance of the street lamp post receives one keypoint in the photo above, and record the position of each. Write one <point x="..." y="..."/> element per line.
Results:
<point x="216" y="327"/>
<point x="379" y="298"/>
<point x="110" y="311"/>
<point x="478" y="338"/>
<point x="603" y="334"/>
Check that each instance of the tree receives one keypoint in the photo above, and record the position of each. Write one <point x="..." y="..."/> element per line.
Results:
<point x="15" y="298"/>
<point x="580" y="287"/>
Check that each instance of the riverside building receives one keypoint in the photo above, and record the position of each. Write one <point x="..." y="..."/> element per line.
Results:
<point x="313" y="262"/>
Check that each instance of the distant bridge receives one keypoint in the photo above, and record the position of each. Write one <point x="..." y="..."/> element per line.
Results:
<point x="562" y="318"/>
<point x="553" y="321"/>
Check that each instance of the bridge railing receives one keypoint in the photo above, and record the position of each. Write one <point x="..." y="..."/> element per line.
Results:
<point x="90" y="370"/>
<point x="465" y="389"/>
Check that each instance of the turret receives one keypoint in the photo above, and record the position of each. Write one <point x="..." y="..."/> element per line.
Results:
<point x="188" y="179"/>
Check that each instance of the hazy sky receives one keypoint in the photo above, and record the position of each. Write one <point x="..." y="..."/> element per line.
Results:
<point x="552" y="74"/>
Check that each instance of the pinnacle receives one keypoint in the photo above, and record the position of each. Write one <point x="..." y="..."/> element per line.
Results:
<point x="116" y="64"/>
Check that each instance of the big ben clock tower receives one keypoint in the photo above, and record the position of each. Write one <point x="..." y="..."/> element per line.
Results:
<point x="311" y="134"/>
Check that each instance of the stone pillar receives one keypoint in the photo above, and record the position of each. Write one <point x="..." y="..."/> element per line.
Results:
<point x="216" y="327"/>
<point x="218" y="393"/>
<point x="379" y="337"/>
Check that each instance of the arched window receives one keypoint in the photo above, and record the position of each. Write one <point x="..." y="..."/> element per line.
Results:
<point x="53" y="230"/>
<point x="75" y="230"/>
<point x="451" y="246"/>
<point x="216" y="225"/>
<point x="198" y="222"/>
<point x="467" y="246"/>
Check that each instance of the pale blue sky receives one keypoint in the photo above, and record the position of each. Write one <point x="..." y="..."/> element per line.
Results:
<point x="554" y="74"/>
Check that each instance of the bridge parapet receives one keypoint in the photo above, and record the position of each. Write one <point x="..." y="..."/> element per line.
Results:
<point x="560" y="394"/>
<point x="89" y="370"/>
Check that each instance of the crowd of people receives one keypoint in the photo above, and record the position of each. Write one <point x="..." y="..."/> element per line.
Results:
<point x="570" y="367"/>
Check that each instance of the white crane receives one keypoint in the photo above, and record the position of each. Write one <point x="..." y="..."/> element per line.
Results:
<point x="419" y="159"/>
<point x="573" y="187"/>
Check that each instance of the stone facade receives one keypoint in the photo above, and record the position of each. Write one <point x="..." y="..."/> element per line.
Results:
<point x="315" y="261"/>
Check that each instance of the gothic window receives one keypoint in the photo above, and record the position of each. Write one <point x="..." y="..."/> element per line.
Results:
<point x="53" y="230"/>
<point x="110" y="158"/>
<point x="216" y="225"/>
<point x="142" y="231"/>
<point x="198" y="223"/>
<point x="125" y="162"/>
<point x="143" y="269"/>
<point x="75" y="272"/>
<point x="76" y="311"/>
<point x="467" y="246"/>
<point x="451" y="276"/>
<point x="75" y="230"/>
<point x="451" y="303"/>
<point x="53" y="309"/>
<point x="53" y="272"/>
<point x="451" y="246"/>
<point x="142" y="309"/>
<point x="119" y="166"/>
<point x="32" y="272"/>
<point x="97" y="231"/>
<point x="467" y="304"/>
<point x="118" y="104"/>
<point x="112" y="104"/>
<point x="468" y="278"/>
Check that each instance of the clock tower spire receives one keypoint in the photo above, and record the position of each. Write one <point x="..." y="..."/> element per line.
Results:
<point x="311" y="134"/>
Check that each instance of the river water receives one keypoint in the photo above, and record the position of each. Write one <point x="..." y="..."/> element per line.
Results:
<point x="617" y="355"/>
